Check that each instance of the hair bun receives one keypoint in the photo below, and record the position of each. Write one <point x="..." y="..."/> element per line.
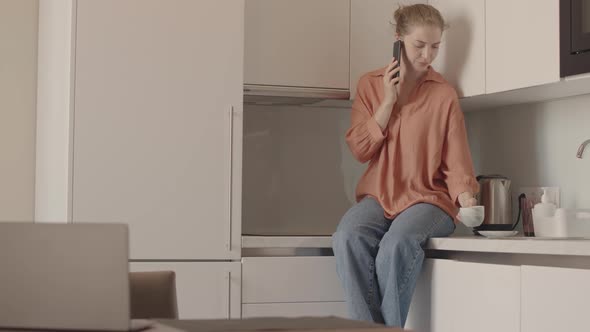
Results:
<point x="416" y="15"/>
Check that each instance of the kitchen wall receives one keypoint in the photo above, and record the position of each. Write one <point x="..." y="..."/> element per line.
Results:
<point x="299" y="173"/>
<point x="535" y="145"/>
<point x="18" y="90"/>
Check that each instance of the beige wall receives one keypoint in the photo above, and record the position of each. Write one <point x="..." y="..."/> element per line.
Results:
<point x="18" y="90"/>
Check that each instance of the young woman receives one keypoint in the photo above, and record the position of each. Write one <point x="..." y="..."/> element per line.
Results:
<point x="411" y="131"/>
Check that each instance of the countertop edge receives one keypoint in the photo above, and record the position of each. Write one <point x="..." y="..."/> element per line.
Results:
<point x="513" y="245"/>
<point x="509" y="245"/>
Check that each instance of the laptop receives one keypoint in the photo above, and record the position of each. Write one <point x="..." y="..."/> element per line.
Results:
<point x="65" y="277"/>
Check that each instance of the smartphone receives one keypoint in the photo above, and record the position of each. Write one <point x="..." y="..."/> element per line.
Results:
<point x="397" y="53"/>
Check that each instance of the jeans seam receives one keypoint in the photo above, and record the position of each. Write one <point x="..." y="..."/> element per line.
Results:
<point x="371" y="283"/>
<point x="372" y="280"/>
<point x="416" y="252"/>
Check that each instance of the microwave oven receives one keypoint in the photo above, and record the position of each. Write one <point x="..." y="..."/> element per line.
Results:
<point x="574" y="37"/>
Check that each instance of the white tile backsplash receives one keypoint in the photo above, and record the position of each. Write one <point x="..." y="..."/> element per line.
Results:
<point x="535" y="145"/>
<point x="299" y="176"/>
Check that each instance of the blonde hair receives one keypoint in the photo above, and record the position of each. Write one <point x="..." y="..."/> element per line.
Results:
<point x="407" y="17"/>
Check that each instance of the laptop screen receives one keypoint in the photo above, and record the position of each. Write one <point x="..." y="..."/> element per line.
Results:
<point x="64" y="276"/>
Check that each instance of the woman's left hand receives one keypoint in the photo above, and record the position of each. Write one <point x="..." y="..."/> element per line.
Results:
<point x="466" y="199"/>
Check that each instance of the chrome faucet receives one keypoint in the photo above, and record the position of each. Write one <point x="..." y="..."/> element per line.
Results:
<point x="581" y="148"/>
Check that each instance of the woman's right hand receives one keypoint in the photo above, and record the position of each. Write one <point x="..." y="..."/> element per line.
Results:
<point x="390" y="83"/>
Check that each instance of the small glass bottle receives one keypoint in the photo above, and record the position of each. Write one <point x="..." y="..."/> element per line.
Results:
<point x="526" y="207"/>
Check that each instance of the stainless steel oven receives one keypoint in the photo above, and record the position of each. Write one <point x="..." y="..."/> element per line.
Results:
<point x="574" y="18"/>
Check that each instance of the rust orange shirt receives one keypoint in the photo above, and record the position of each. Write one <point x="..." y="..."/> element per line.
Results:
<point x="422" y="156"/>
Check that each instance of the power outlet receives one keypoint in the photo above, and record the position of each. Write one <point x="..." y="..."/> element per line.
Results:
<point x="534" y="194"/>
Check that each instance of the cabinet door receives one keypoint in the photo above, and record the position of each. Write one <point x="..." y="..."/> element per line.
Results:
<point x="309" y="279"/>
<point x="522" y="44"/>
<point x="460" y="297"/>
<point x="303" y="43"/>
<point x="371" y="36"/>
<point x="486" y="297"/>
<point x="461" y="57"/>
<point x="155" y="136"/>
<point x="431" y="309"/>
<point x="299" y="309"/>
<point x="554" y="299"/>
<point x="204" y="290"/>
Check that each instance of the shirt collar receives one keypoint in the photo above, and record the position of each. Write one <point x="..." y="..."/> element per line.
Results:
<point x="431" y="74"/>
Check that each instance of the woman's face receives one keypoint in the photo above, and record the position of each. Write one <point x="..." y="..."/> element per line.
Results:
<point x="421" y="46"/>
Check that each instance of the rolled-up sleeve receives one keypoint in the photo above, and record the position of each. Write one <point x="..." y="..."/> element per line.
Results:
<point x="457" y="165"/>
<point x="364" y="137"/>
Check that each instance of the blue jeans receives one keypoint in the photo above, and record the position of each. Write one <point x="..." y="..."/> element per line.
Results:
<point x="379" y="260"/>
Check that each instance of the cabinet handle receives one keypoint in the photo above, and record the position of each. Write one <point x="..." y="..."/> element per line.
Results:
<point x="228" y="244"/>
<point x="228" y="277"/>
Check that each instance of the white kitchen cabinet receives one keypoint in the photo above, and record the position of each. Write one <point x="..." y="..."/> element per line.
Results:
<point x="554" y="299"/>
<point x="290" y="279"/>
<point x="485" y="288"/>
<point x="300" y="309"/>
<point x="431" y="309"/>
<point x="371" y="36"/>
<point x="204" y="290"/>
<point x="291" y="286"/>
<point x="452" y="295"/>
<point x="141" y="106"/>
<point x="461" y="57"/>
<point x="303" y="43"/>
<point x="157" y="124"/>
<point x="522" y="44"/>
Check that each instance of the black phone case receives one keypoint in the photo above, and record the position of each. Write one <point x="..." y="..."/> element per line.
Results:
<point x="397" y="51"/>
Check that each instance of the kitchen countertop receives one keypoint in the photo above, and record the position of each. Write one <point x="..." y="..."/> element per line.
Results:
<point x="513" y="245"/>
